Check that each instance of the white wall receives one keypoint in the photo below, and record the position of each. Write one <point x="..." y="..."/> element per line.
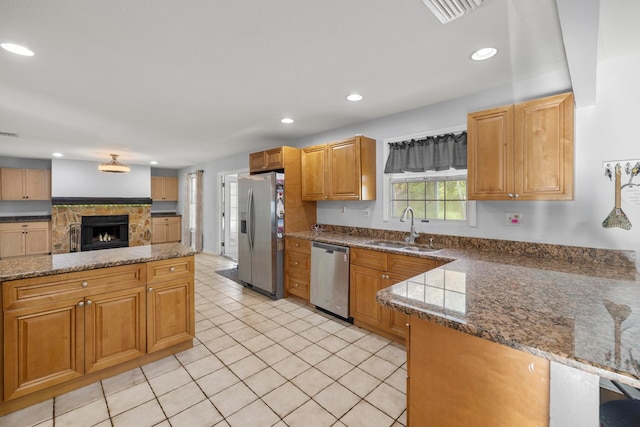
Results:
<point x="75" y="178"/>
<point x="603" y="132"/>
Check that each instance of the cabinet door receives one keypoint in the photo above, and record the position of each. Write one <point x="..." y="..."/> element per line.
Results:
<point x="314" y="164"/>
<point x="364" y="284"/>
<point x="43" y="346"/>
<point x="158" y="230"/>
<point x="274" y="159"/>
<point x="37" y="184"/>
<point x="170" y="313"/>
<point x="257" y="162"/>
<point x="544" y="148"/>
<point x="37" y="241"/>
<point x="12" y="184"/>
<point x="170" y="187"/>
<point x="490" y="154"/>
<point x="156" y="188"/>
<point x="174" y="230"/>
<point x="344" y="170"/>
<point x="114" y="328"/>
<point x="12" y="243"/>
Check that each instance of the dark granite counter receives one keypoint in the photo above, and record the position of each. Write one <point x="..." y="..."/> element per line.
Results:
<point x="45" y="265"/>
<point x="25" y="218"/>
<point x="576" y="309"/>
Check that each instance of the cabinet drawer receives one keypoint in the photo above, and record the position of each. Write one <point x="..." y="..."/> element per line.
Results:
<point x="369" y="259"/>
<point x="296" y="282"/>
<point x="24" y="226"/>
<point x="409" y="266"/>
<point x="297" y="260"/>
<point x="159" y="271"/>
<point x="298" y="245"/>
<point x="43" y="290"/>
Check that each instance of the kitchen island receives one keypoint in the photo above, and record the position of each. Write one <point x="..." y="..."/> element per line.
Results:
<point x="73" y="319"/>
<point x="566" y="307"/>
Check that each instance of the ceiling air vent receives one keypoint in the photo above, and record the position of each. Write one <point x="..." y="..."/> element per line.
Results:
<point x="448" y="10"/>
<point x="14" y="135"/>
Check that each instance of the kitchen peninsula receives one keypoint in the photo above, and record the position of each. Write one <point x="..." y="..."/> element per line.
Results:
<point x="72" y="319"/>
<point x="537" y="309"/>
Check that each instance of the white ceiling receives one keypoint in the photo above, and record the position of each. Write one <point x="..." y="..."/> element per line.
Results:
<point x="185" y="82"/>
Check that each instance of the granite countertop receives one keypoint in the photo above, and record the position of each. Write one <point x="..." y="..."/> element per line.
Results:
<point x="24" y="218"/>
<point x="557" y="308"/>
<point x="45" y="265"/>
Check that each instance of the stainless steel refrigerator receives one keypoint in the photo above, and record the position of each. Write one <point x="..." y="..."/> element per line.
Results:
<point x="260" y="241"/>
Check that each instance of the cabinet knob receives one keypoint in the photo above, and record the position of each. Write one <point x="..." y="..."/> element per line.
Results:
<point x="88" y="302"/>
<point x="297" y="245"/>
<point x="85" y="284"/>
<point x="172" y="269"/>
<point x="150" y="290"/>
<point x="81" y="304"/>
<point x="295" y="285"/>
<point x="515" y="196"/>
<point x="510" y="195"/>
<point x="295" y="263"/>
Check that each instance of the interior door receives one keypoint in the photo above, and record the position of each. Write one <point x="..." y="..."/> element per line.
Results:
<point x="230" y="216"/>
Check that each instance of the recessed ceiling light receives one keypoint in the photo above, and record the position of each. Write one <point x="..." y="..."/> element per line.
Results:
<point x="57" y="154"/>
<point x="484" y="53"/>
<point x="354" y="97"/>
<point x="17" y="49"/>
<point x="153" y="162"/>
<point x="287" y="121"/>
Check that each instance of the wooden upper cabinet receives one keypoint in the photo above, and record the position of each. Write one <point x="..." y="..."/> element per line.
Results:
<point x="314" y="165"/>
<point x="164" y="188"/>
<point x="522" y="151"/>
<point x="268" y="160"/>
<point x="342" y="170"/>
<point x="26" y="184"/>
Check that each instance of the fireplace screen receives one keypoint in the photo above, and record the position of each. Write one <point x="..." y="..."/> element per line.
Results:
<point x="104" y="232"/>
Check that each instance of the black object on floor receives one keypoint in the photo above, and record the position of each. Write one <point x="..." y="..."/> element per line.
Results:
<point x="232" y="274"/>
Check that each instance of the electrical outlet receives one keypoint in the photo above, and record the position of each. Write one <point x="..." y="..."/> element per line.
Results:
<point x="514" y="218"/>
<point x="344" y="210"/>
<point x="365" y="212"/>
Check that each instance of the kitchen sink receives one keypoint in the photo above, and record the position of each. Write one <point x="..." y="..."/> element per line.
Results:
<point x="402" y="246"/>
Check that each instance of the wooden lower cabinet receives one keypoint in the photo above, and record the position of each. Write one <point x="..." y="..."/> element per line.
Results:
<point x="25" y="238"/>
<point x="43" y="346"/>
<point x="166" y="229"/>
<point x="372" y="271"/>
<point x="170" y="313"/>
<point x="456" y="379"/>
<point x="64" y="331"/>
<point x="114" y="328"/>
<point x="297" y="267"/>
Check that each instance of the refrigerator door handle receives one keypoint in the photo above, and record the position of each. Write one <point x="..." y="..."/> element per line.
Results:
<point x="250" y="217"/>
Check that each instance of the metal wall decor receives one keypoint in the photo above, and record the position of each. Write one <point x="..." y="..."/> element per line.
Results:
<point x="617" y="218"/>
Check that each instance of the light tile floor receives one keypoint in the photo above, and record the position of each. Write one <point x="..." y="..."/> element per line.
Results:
<point x="255" y="362"/>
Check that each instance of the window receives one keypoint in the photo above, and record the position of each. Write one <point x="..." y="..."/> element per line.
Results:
<point x="418" y="177"/>
<point x="436" y="197"/>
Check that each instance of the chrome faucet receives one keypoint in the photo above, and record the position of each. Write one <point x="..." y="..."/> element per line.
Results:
<point x="412" y="233"/>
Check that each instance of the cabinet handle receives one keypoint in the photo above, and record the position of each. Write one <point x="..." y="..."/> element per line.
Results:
<point x="88" y="302"/>
<point x="85" y="284"/>
<point x="150" y="289"/>
<point x="81" y="304"/>
<point x="172" y="269"/>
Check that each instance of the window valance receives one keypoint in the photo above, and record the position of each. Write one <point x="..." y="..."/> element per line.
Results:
<point x="432" y="153"/>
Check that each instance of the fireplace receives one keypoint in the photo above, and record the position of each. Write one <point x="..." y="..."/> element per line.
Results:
<point x="104" y="232"/>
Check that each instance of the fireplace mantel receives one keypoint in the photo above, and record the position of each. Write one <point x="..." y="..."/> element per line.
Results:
<point x="88" y="201"/>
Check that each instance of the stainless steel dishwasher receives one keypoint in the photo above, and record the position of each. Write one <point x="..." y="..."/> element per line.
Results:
<point x="330" y="278"/>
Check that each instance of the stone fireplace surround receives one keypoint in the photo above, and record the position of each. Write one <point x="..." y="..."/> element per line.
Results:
<point x="70" y="210"/>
